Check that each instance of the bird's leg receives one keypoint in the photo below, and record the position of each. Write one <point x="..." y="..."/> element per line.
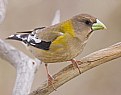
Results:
<point x="74" y="62"/>
<point x="50" y="78"/>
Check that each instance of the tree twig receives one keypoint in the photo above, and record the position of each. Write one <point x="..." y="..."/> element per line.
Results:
<point x="86" y="63"/>
<point x="3" y="4"/>
<point x="56" y="18"/>
<point x="25" y="67"/>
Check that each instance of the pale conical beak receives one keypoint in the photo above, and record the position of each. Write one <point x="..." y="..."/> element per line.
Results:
<point x="98" y="25"/>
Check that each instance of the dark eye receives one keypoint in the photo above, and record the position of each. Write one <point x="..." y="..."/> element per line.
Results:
<point x="88" y="22"/>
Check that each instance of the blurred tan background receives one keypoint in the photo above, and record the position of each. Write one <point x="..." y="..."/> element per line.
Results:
<point x="28" y="14"/>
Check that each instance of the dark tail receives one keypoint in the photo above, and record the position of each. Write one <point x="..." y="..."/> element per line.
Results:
<point x="31" y="40"/>
<point x="19" y="37"/>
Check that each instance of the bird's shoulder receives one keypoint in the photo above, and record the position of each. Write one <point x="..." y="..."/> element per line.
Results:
<point x="50" y="33"/>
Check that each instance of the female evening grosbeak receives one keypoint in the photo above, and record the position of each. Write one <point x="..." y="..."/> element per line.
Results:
<point x="60" y="42"/>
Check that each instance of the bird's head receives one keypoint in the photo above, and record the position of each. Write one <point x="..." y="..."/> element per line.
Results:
<point x="85" y="24"/>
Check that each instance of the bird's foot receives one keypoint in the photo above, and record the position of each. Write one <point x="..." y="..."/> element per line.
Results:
<point x="50" y="81"/>
<point x="75" y="63"/>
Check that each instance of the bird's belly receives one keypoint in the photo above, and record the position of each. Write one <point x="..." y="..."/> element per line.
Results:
<point x="50" y="56"/>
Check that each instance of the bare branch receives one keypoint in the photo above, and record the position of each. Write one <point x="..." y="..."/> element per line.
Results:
<point x="24" y="65"/>
<point x="25" y="77"/>
<point x="3" y="4"/>
<point x="86" y="63"/>
<point x="11" y="54"/>
<point x="56" y="18"/>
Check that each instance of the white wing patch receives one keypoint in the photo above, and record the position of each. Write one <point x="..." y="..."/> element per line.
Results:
<point x="34" y="38"/>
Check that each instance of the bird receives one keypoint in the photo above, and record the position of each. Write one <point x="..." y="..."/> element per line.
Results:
<point x="60" y="42"/>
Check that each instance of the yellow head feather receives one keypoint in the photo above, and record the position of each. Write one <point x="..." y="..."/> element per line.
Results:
<point x="68" y="30"/>
<point x="67" y="27"/>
